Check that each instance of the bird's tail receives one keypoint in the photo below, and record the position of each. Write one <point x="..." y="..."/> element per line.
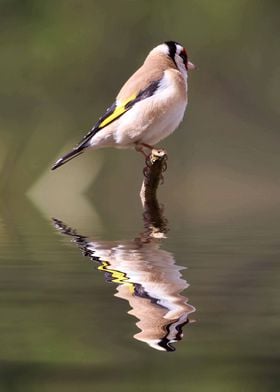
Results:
<point x="66" y="158"/>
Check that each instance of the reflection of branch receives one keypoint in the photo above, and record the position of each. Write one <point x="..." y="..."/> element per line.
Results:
<point x="153" y="174"/>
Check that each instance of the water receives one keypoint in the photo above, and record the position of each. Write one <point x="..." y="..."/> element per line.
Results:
<point x="102" y="308"/>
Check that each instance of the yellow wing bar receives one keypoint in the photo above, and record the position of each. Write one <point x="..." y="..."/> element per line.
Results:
<point x="118" y="111"/>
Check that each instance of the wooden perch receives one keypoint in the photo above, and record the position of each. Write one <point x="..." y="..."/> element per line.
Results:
<point x="153" y="175"/>
<point x="156" y="165"/>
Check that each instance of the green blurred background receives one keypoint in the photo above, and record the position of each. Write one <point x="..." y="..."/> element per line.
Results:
<point x="62" y="64"/>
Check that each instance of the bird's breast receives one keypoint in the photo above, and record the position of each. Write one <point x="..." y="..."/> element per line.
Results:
<point x="154" y="118"/>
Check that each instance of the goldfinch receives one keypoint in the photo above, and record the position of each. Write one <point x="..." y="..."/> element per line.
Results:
<point x="148" y="108"/>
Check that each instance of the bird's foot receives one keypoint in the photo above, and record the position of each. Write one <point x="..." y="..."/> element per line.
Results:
<point x="152" y="158"/>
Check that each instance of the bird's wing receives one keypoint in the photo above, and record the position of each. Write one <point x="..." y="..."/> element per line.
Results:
<point x="118" y="109"/>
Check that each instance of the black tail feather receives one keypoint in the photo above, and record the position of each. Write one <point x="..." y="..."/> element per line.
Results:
<point x="66" y="158"/>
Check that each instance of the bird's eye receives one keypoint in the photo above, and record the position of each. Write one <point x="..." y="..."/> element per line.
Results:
<point x="184" y="56"/>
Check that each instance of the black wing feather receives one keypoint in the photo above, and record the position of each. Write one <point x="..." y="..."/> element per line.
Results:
<point x="143" y="94"/>
<point x="84" y="143"/>
<point x="95" y="128"/>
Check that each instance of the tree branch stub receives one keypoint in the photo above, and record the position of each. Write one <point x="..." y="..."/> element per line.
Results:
<point x="156" y="165"/>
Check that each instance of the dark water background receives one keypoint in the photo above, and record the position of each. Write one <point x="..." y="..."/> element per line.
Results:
<point x="62" y="327"/>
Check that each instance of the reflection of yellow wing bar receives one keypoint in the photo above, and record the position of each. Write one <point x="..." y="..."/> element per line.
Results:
<point x="117" y="276"/>
<point x="119" y="110"/>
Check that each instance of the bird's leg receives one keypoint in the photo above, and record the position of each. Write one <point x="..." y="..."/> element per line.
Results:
<point x="147" y="146"/>
<point x="139" y="148"/>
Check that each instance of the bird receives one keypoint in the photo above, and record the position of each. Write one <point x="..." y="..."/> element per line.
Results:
<point x="148" y="108"/>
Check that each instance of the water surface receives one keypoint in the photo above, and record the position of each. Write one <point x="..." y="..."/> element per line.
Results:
<point x="94" y="308"/>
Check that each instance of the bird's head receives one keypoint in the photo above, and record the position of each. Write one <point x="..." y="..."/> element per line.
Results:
<point x="177" y="53"/>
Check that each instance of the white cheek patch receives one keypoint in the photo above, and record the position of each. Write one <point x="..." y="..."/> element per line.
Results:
<point x="181" y="66"/>
<point x="179" y="49"/>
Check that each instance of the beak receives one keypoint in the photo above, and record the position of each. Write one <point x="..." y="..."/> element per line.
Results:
<point x="191" y="66"/>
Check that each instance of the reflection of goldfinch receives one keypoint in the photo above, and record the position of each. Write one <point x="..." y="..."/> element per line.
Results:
<point x="148" y="278"/>
<point x="148" y="108"/>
